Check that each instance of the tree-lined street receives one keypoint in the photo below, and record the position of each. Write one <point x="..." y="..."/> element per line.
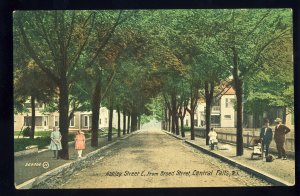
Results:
<point x="127" y="59"/>
<point x="154" y="66"/>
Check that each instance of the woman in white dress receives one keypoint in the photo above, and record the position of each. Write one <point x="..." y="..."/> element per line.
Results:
<point x="55" y="144"/>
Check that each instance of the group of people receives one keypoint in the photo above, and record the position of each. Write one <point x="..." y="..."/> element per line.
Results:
<point x="266" y="136"/>
<point x="55" y="144"/>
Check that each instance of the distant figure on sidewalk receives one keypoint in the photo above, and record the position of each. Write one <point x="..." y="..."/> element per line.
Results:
<point x="79" y="143"/>
<point x="55" y="144"/>
<point x="279" y="137"/>
<point x="212" y="138"/>
<point x="266" y="135"/>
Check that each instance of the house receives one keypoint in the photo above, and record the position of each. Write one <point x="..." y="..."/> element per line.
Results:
<point x="47" y="120"/>
<point x="223" y="113"/>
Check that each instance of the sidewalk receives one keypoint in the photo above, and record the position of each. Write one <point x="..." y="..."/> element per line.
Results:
<point x="33" y="165"/>
<point x="281" y="169"/>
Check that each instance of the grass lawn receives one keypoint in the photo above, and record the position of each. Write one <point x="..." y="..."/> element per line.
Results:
<point x="21" y="143"/>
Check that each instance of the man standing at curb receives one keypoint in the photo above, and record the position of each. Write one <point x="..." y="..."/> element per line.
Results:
<point x="279" y="137"/>
<point x="266" y="135"/>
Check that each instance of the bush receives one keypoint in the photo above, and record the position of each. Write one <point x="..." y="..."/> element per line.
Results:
<point x="42" y="133"/>
<point x="26" y="132"/>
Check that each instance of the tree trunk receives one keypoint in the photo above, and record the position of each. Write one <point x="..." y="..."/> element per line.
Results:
<point x="174" y="112"/>
<point x="111" y="110"/>
<point x="209" y="90"/>
<point x="96" y="113"/>
<point x="128" y="123"/>
<point x="208" y="123"/>
<point x="124" y="122"/>
<point x="166" y="119"/>
<point x="169" y="121"/>
<point x="238" y="85"/>
<point x="32" y="117"/>
<point x="63" y="106"/>
<point x="182" y="127"/>
<point x="239" y="136"/>
<point x="192" y="113"/>
<point x="133" y="122"/>
<point x="284" y="115"/>
<point x="139" y="122"/>
<point x="192" y="124"/>
<point x="119" y="123"/>
<point x="177" y="124"/>
<point x="173" y="123"/>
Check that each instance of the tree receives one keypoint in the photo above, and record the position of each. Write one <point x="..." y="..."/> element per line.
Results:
<point x="243" y="35"/>
<point x="273" y="84"/>
<point x="30" y="81"/>
<point x="55" y="40"/>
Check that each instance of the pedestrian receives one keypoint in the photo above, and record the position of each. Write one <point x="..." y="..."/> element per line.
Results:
<point x="79" y="143"/>
<point x="55" y="143"/>
<point x="279" y="137"/>
<point x="266" y="135"/>
<point x="212" y="138"/>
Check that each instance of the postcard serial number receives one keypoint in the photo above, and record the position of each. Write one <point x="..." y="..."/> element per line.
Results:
<point x="33" y="164"/>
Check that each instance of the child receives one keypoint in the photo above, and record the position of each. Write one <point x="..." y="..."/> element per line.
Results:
<point x="55" y="144"/>
<point x="79" y="142"/>
<point x="212" y="138"/>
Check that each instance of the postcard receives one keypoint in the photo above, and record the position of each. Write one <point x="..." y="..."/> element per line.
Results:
<point x="153" y="98"/>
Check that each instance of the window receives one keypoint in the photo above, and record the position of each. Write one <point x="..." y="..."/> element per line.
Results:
<point x="38" y="121"/>
<point x="56" y="121"/>
<point x="215" y="119"/>
<point x="45" y="120"/>
<point x="187" y="122"/>
<point x="227" y="117"/>
<point x="72" y="122"/>
<point x="216" y="102"/>
<point x="86" y="121"/>
<point x="27" y="120"/>
<point x="228" y="102"/>
<point x="196" y="122"/>
<point x="100" y="121"/>
<point x="105" y="120"/>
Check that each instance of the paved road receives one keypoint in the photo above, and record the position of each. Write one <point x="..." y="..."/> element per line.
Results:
<point x="155" y="159"/>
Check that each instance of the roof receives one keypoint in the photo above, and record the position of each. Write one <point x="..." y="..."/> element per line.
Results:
<point x="228" y="91"/>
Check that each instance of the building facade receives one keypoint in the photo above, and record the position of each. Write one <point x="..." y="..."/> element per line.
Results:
<point x="223" y="113"/>
<point x="46" y="121"/>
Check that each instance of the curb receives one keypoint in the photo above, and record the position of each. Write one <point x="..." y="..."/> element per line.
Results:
<point x="26" y="152"/>
<point x="29" y="184"/>
<point x="171" y="134"/>
<point x="262" y="175"/>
